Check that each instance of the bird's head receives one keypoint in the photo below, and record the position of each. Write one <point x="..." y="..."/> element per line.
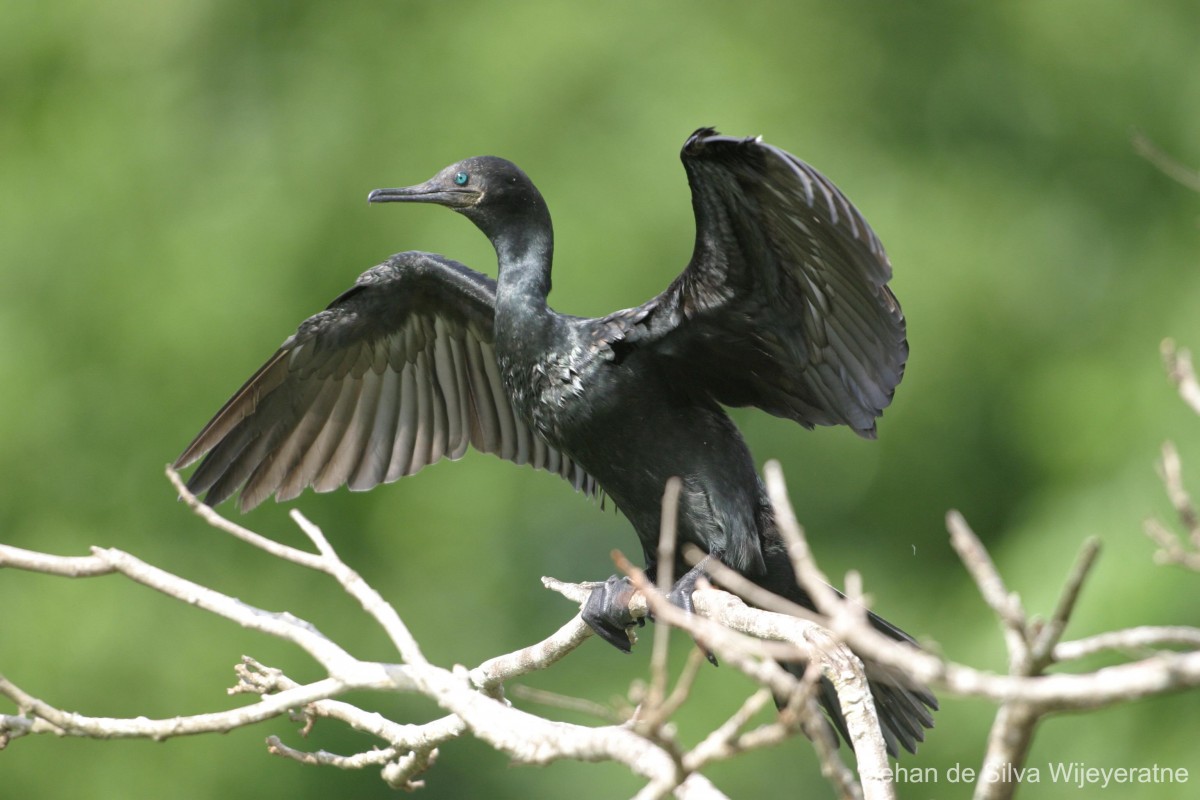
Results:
<point x="492" y="192"/>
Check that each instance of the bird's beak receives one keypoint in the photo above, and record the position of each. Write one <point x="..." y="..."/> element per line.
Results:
<point x="429" y="192"/>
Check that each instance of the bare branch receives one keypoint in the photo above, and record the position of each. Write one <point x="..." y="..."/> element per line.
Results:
<point x="353" y="584"/>
<point x="1006" y="605"/>
<point x="1171" y="471"/>
<point x="399" y="774"/>
<point x="48" y="719"/>
<point x="1042" y="652"/>
<point x="1169" y="166"/>
<point x="802" y="709"/>
<point x="215" y="520"/>
<point x="1008" y="745"/>
<point x="371" y="758"/>
<point x="838" y="663"/>
<point x="489" y="675"/>
<point x="1171" y="549"/>
<point x="577" y="704"/>
<point x="1131" y="640"/>
<point x="326" y="560"/>
<point x="66" y="566"/>
<point x="747" y="589"/>
<point x="533" y="740"/>
<point x="683" y="686"/>
<point x="724" y="742"/>
<point x="1179" y="367"/>
<point x="751" y="640"/>
<point x="807" y="573"/>
<point x="661" y="646"/>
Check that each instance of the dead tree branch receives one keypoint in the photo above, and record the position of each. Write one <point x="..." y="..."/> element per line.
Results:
<point x="753" y="640"/>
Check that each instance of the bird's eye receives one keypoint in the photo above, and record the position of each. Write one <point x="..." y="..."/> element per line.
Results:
<point x="462" y="178"/>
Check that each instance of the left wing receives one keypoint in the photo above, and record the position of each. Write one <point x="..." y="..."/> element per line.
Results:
<point x="785" y="303"/>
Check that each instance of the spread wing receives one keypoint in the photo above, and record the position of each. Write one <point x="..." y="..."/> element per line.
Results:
<point x="398" y="373"/>
<point x="785" y="303"/>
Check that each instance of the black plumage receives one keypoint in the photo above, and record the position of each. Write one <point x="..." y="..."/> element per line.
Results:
<point x="784" y="306"/>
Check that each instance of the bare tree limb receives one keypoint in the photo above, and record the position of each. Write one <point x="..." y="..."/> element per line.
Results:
<point x="48" y="719"/>
<point x="65" y="566"/>
<point x="745" y="654"/>
<point x="751" y="640"/>
<point x="325" y="560"/>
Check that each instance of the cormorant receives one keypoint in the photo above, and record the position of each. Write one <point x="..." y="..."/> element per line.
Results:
<point x="784" y="306"/>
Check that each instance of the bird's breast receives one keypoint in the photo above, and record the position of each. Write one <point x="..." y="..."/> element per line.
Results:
<point x="545" y="390"/>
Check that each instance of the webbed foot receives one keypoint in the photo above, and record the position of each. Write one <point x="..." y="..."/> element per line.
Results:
<point x="607" y="612"/>
<point x="681" y="596"/>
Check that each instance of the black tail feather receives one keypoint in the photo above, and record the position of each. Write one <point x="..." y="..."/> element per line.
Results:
<point x="904" y="709"/>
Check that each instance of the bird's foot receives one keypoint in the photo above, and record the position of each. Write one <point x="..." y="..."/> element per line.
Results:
<point x="607" y="612"/>
<point x="681" y="596"/>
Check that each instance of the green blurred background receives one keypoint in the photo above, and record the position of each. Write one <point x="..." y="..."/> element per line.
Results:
<point x="181" y="183"/>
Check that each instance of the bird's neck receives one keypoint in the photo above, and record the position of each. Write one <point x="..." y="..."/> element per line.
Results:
<point x="524" y="258"/>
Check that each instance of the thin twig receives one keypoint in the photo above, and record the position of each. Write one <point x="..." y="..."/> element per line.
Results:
<point x="1170" y="550"/>
<point x="1171" y="471"/>
<point x="722" y="742"/>
<point x="1130" y="640"/>
<point x="1006" y="605"/>
<point x="1173" y="550"/>
<point x="1042" y="650"/>
<point x="353" y="584"/>
<point x="370" y="758"/>
<point x="399" y="774"/>
<point x="326" y="560"/>
<point x="1179" y="367"/>
<point x="733" y="581"/>
<point x="808" y="574"/>
<point x="1166" y="164"/>
<point x="577" y="704"/>
<point x="661" y="646"/>
<point x="724" y="625"/>
<point x="683" y="686"/>
<point x="839" y="663"/>
<point x="215" y="520"/>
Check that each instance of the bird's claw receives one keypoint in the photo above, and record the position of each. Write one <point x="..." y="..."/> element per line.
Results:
<point x="606" y="612"/>
<point x="681" y="596"/>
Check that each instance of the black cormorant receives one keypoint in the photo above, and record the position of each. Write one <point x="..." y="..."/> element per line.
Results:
<point x="784" y="306"/>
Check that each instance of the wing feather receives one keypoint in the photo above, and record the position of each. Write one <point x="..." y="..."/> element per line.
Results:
<point x="785" y="302"/>
<point x="340" y="466"/>
<point x="398" y="373"/>
<point x="409" y="419"/>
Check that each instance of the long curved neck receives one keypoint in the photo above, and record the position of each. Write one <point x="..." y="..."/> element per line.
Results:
<point x="524" y="257"/>
<point x="524" y="242"/>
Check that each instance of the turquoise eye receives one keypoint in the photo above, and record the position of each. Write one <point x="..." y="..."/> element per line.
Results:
<point x="461" y="178"/>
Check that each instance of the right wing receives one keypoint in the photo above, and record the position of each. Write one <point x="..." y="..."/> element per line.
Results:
<point x="399" y="372"/>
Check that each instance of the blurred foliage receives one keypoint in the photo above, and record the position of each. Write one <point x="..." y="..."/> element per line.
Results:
<point x="182" y="182"/>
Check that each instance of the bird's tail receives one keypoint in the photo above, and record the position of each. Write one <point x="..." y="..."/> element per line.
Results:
<point x="904" y="707"/>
